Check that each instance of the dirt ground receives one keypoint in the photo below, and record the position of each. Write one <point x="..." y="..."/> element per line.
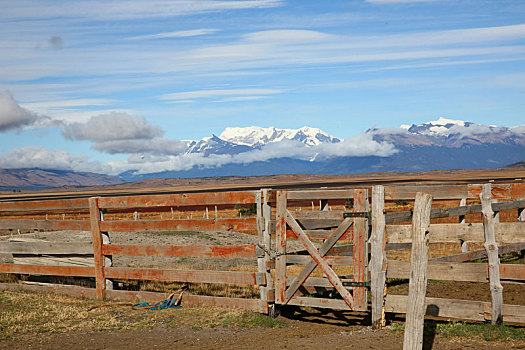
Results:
<point x="333" y="331"/>
<point x="300" y="334"/>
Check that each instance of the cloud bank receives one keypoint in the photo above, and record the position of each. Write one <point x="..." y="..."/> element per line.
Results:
<point x="40" y="157"/>
<point x="12" y="116"/>
<point x="117" y="132"/>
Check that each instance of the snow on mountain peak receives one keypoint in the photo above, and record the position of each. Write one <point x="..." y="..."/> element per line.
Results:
<point x="444" y="121"/>
<point x="254" y="136"/>
<point x="440" y="127"/>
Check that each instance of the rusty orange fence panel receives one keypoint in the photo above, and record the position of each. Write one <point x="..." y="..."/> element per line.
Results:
<point x="228" y="224"/>
<point x="80" y="271"/>
<point x="198" y="251"/>
<point x="195" y="276"/>
<point x="178" y="200"/>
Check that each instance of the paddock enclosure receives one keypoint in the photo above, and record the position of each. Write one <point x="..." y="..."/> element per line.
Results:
<point x="322" y="248"/>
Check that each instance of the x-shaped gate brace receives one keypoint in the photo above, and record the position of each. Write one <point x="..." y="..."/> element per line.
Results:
<point x="318" y="258"/>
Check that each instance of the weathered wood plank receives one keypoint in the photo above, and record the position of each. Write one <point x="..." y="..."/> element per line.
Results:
<point x="360" y="250"/>
<point x="53" y="205"/>
<point x="413" y="337"/>
<point x="319" y="194"/>
<point x="226" y="224"/>
<point x="506" y="232"/>
<point x="311" y="265"/>
<point x="478" y="254"/>
<point x="306" y="259"/>
<point x="60" y="260"/>
<point x="94" y="214"/>
<point x="491" y="246"/>
<point x="317" y="281"/>
<point x="199" y="251"/>
<point x="437" y="191"/>
<point x="378" y="257"/>
<point x="314" y="253"/>
<point x="436" y="213"/>
<point x="47" y="247"/>
<point x="80" y="271"/>
<point x="323" y="234"/>
<point x="267" y="243"/>
<point x="336" y="304"/>
<point x="6" y="258"/>
<point x="454" y="271"/>
<point x="456" y="309"/>
<point x="196" y="276"/>
<point x="178" y="200"/>
<point x="280" y="247"/>
<point x="47" y="225"/>
<point x="499" y="191"/>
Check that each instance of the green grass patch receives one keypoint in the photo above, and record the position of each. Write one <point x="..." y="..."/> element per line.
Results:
<point x="485" y="331"/>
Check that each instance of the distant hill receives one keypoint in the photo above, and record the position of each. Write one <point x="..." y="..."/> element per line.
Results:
<point x="35" y="179"/>
<point x="522" y="163"/>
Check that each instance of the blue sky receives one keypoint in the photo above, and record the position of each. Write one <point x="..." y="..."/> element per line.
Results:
<point x="192" y="68"/>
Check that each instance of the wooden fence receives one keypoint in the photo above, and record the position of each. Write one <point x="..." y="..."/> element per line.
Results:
<point x="101" y="250"/>
<point x="340" y="254"/>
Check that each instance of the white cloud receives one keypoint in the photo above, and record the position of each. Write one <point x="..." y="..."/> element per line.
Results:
<point x="12" y="116"/>
<point x="360" y="145"/>
<point x="397" y="1"/>
<point x="112" y="126"/>
<point x="287" y="36"/>
<point x="120" y="133"/>
<point x="40" y="157"/>
<point x="177" y="34"/>
<point x="133" y="9"/>
<point x="234" y="93"/>
<point x="157" y="146"/>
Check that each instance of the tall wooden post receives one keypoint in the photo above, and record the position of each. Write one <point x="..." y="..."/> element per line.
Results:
<point x="94" y="213"/>
<point x="280" y="243"/>
<point x="360" y="249"/>
<point x="267" y="239"/>
<point x="260" y="250"/>
<point x="378" y="257"/>
<point x="496" y="289"/>
<point x="415" y="317"/>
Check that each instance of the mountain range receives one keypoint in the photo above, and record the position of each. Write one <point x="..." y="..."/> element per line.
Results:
<point x="442" y="144"/>
<point x="436" y="145"/>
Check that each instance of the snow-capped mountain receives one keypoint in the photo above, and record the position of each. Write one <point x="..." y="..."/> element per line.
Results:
<point x="440" y="127"/>
<point x="436" y="145"/>
<point x="238" y="140"/>
<point x="255" y="136"/>
<point x="452" y="133"/>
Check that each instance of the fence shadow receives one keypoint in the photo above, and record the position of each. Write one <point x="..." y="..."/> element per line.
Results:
<point x="325" y="316"/>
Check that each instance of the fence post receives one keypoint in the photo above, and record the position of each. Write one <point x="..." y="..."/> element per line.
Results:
<point x="378" y="257"/>
<point x="94" y="213"/>
<point x="267" y="238"/>
<point x="280" y="243"/>
<point x="360" y="249"/>
<point x="415" y="317"/>
<point x="496" y="289"/>
<point x="260" y="251"/>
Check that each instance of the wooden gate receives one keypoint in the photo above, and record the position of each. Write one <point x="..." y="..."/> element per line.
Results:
<point x="346" y="291"/>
